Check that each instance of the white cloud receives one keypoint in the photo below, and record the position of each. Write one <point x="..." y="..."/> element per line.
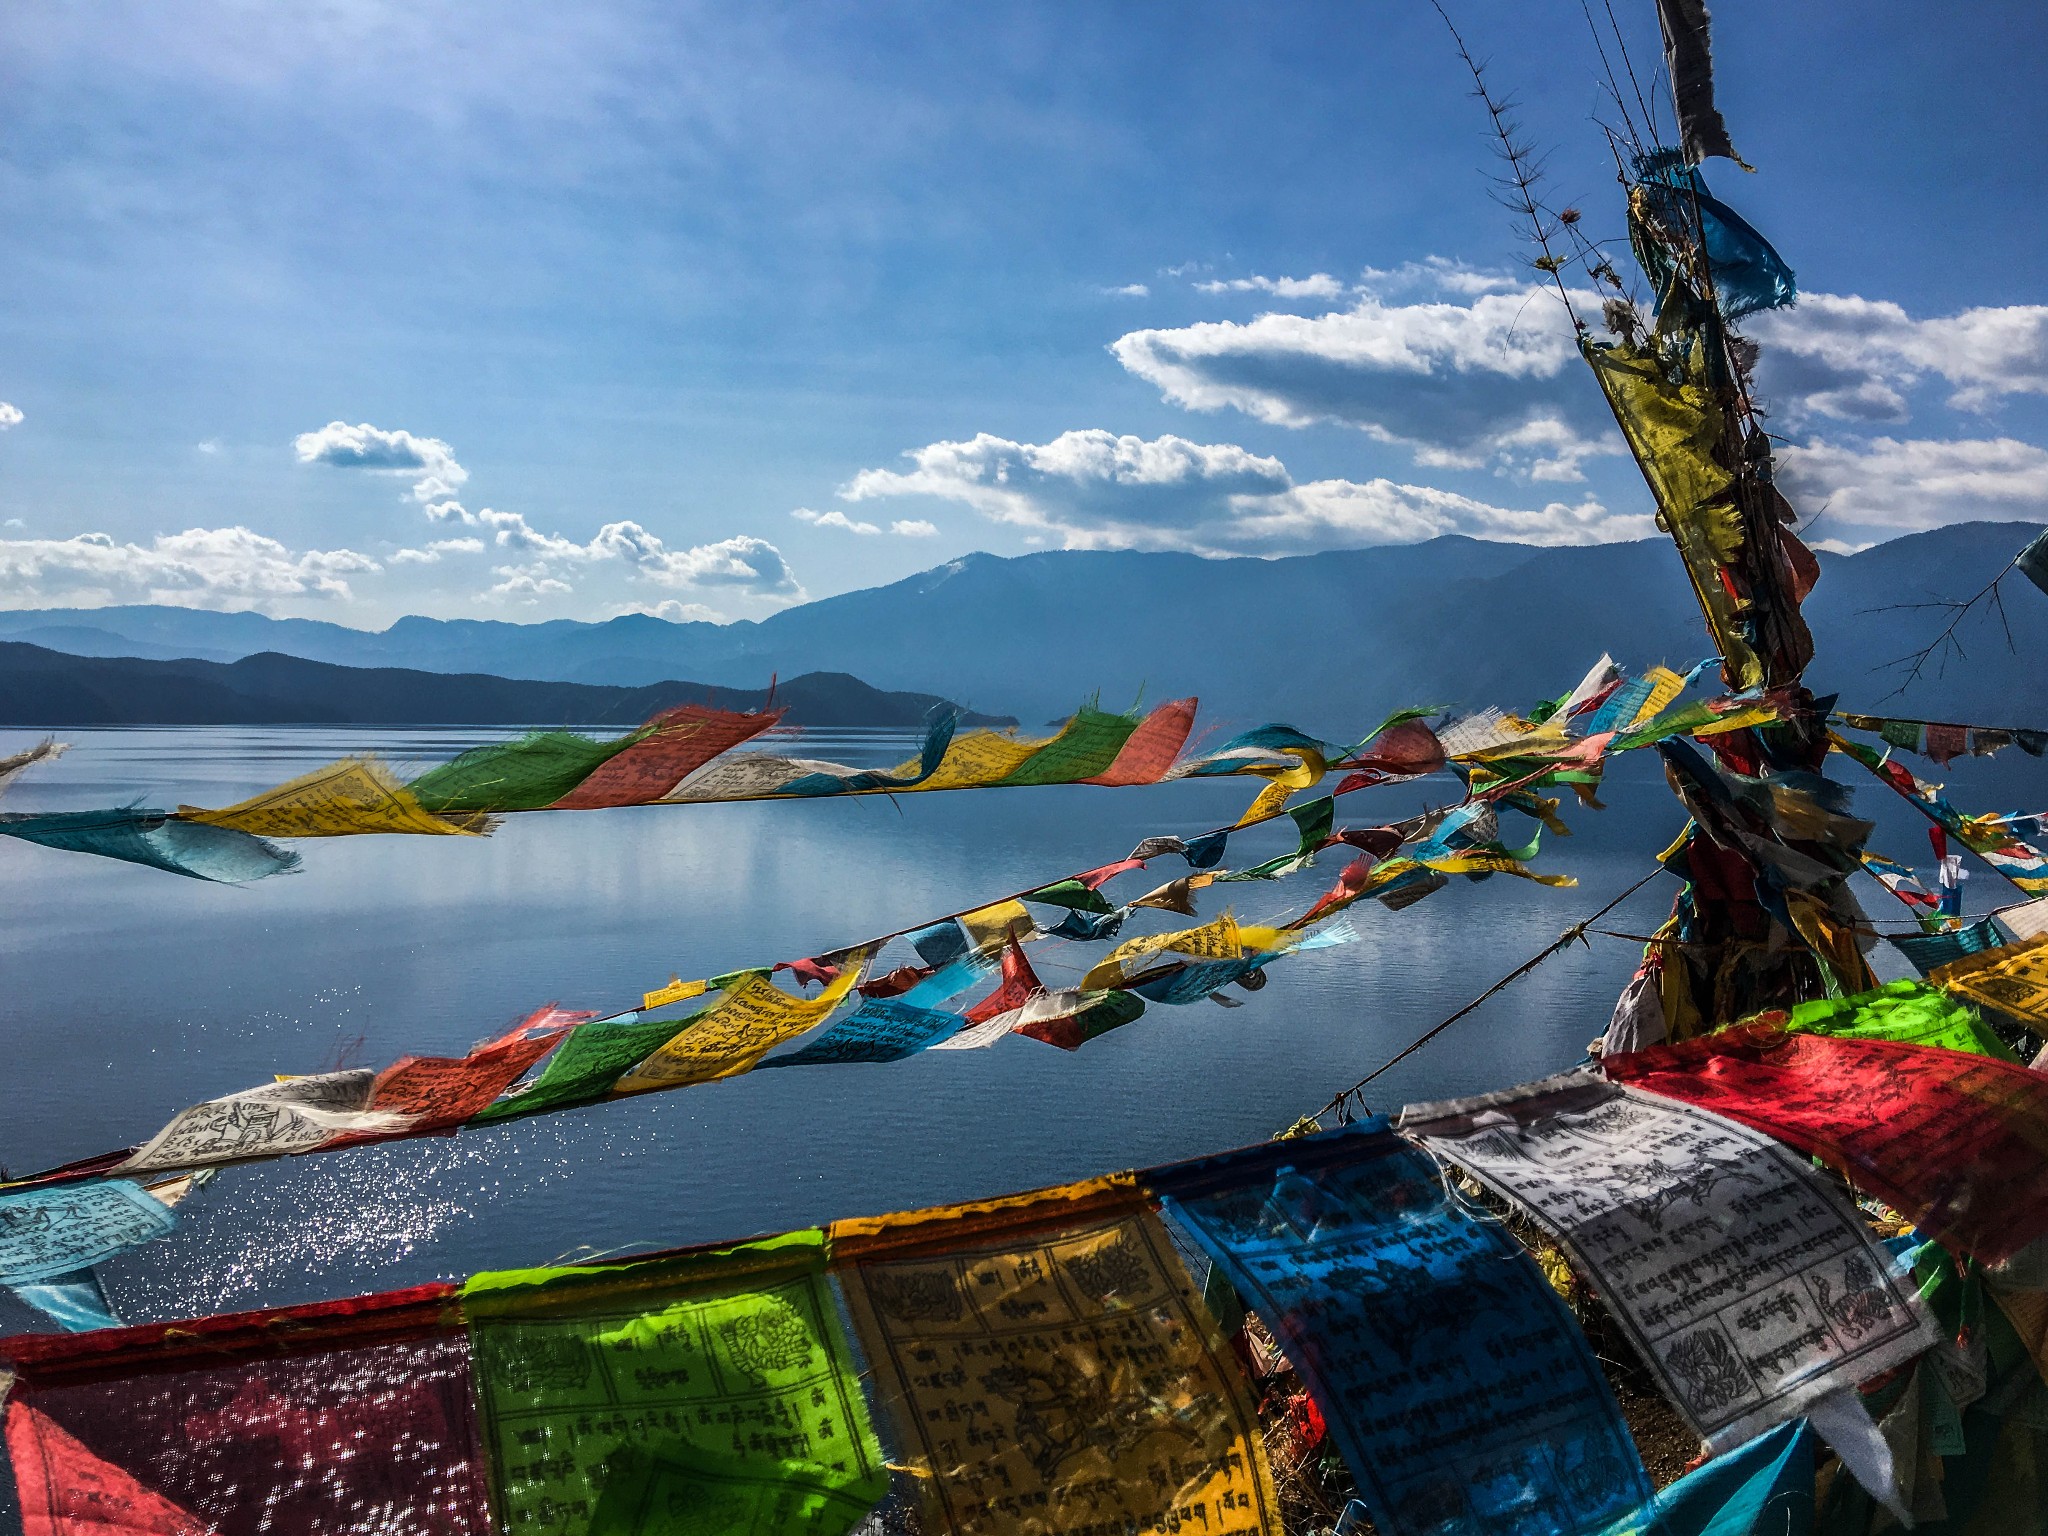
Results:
<point x="1092" y="489"/>
<point x="741" y="561"/>
<point x="914" y="528"/>
<point x="427" y="461"/>
<point x="230" y="568"/>
<point x="435" y="550"/>
<point x="10" y="416"/>
<point x="675" y="610"/>
<point x="1917" y="483"/>
<point x="210" y="447"/>
<point x="1855" y="359"/>
<point x="523" y="583"/>
<point x="1490" y="377"/>
<point x="1128" y="291"/>
<point x="1319" y="286"/>
<point x="832" y="520"/>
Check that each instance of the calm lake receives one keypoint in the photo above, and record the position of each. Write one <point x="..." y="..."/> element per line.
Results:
<point x="131" y="993"/>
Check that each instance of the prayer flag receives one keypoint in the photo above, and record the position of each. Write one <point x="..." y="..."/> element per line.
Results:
<point x="1954" y="1141"/>
<point x="710" y="1392"/>
<point x="349" y="1416"/>
<point x="1044" y="1364"/>
<point x="1750" y="1286"/>
<point x="749" y="1020"/>
<point x="1455" y="1382"/>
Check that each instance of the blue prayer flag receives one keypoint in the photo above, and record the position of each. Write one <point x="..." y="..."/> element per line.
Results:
<point x="1457" y="1385"/>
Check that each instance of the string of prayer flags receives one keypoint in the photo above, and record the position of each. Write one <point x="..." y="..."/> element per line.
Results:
<point x="2012" y="980"/>
<point x="1943" y="741"/>
<point x="1454" y="1380"/>
<point x="1909" y="1012"/>
<point x="1994" y="839"/>
<point x="1043" y="1363"/>
<point x="344" y="1416"/>
<point x="1954" y="1141"/>
<point x="713" y="1391"/>
<point x="1750" y="1287"/>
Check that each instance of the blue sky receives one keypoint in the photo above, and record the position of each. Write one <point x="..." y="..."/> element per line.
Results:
<point x="529" y="312"/>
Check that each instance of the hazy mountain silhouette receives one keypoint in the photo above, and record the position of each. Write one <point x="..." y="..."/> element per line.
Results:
<point x="1327" y="641"/>
<point x="40" y="687"/>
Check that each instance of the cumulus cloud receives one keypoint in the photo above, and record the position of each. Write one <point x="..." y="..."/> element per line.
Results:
<point x="914" y="528"/>
<point x="435" y="550"/>
<point x="230" y="568"/>
<point x="1093" y="489"/>
<point x="1489" y="376"/>
<point x="742" y="561"/>
<point x="1318" y="286"/>
<point x="832" y="520"/>
<point x="523" y="584"/>
<point x="1856" y="359"/>
<point x="10" y="416"/>
<point x="427" y="461"/>
<point x="1916" y="483"/>
<point x="1129" y="291"/>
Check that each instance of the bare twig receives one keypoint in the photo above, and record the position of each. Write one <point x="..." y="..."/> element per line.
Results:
<point x="1516" y="190"/>
<point x="1946" y="644"/>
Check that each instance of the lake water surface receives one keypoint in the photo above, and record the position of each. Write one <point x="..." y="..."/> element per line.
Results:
<point x="130" y="993"/>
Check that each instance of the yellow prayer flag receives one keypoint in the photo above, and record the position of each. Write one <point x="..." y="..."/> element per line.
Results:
<point x="2013" y="980"/>
<point x="1047" y="1366"/>
<point x="979" y="757"/>
<point x="677" y="991"/>
<point x="1212" y="941"/>
<point x="749" y="1020"/>
<point x="357" y="794"/>
<point x="1673" y="429"/>
<point x="994" y="926"/>
<point x="1665" y="685"/>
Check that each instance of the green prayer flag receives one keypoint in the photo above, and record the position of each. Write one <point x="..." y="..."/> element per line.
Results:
<point x="523" y="775"/>
<point x="713" y="1391"/>
<point x="1086" y="746"/>
<point x="587" y="1063"/>
<point x="1909" y="1012"/>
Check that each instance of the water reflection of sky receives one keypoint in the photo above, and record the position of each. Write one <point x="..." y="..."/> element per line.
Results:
<point x="130" y="993"/>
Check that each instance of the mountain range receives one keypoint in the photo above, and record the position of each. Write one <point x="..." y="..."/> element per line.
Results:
<point x="43" y="687"/>
<point x="1325" y="641"/>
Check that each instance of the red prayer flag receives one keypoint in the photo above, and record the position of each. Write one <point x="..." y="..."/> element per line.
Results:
<point x="1150" y="750"/>
<point x="1020" y="984"/>
<point x="1957" y="1142"/>
<point x="683" y="740"/>
<point x="347" y="1417"/>
<point x="65" y="1490"/>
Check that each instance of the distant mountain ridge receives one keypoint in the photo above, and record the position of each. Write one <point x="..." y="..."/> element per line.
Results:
<point x="41" y="687"/>
<point x="1327" y="641"/>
